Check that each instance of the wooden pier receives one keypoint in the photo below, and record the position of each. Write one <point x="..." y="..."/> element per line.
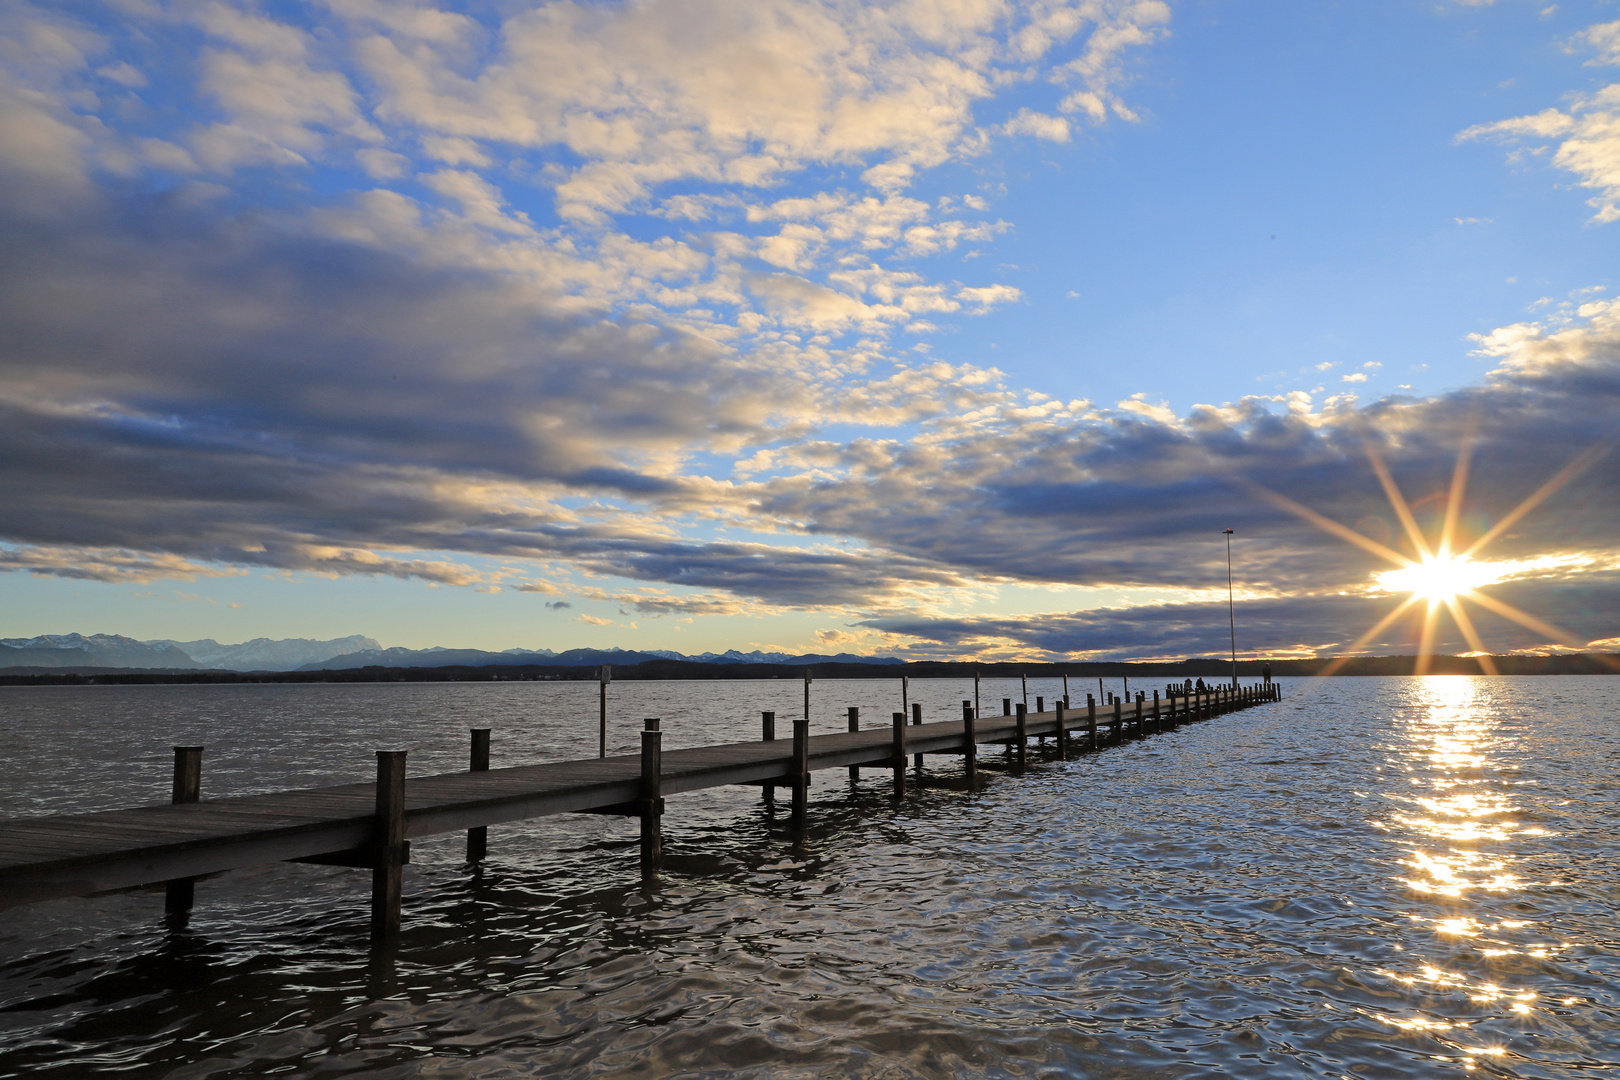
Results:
<point x="369" y="825"/>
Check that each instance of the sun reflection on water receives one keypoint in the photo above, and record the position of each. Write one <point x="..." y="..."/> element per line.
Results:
<point x="1455" y="819"/>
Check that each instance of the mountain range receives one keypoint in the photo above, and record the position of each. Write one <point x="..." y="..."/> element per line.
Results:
<point x="306" y="654"/>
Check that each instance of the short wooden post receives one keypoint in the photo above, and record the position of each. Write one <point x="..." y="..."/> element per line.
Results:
<point x="1119" y="724"/>
<point x="478" y="837"/>
<point x="807" y="693"/>
<point x="603" y="677"/>
<point x="916" y="721"/>
<point x="1023" y="734"/>
<point x="1140" y="731"/>
<point x="1091" y="720"/>
<point x="180" y="893"/>
<point x="970" y="743"/>
<point x="388" y="847"/>
<point x="1006" y="706"/>
<point x="1158" y="717"/>
<point x="854" y="725"/>
<point x="801" y="769"/>
<point x="898" y="755"/>
<point x="1023" y="682"/>
<point x="1040" y="707"/>
<point x="767" y="733"/>
<point x="1058" y="733"/>
<point x="652" y="794"/>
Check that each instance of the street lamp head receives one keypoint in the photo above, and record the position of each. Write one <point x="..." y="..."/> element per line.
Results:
<point x="1228" y="532"/>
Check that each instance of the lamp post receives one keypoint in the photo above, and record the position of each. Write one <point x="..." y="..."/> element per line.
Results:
<point x="1231" y="615"/>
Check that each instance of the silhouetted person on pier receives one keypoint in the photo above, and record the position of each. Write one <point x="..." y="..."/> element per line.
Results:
<point x="1266" y="672"/>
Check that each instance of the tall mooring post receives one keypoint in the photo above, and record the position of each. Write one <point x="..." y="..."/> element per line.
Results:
<point x="652" y="794"/>
<point x="388" y="847"/>
<point x="478" y="761"/>
<point x="801" y="769"/>
<point x="898" y="755"/>
<point x="970" y="745"/>
<point x="854" y="725"/>
<point x="179" y="893"/>
<point x="1021" y="712"/>
<point x="603" y="677"/>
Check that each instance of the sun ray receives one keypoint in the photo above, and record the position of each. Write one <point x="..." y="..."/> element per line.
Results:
<point x="1378" y="627"/>
<point x="1524" y="619"/>
<point x="1327" y="524"/>
<point x="1398" y="501"/>
<point x="1563" y="476"/>
<point x="1466" y="625"/>
<point x="1459" y="484"/>
<point x="1425" y="654"/>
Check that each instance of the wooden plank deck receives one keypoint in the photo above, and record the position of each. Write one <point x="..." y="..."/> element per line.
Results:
<point x="77" y="854"/>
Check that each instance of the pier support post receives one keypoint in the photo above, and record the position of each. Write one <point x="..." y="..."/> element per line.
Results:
<point x="1119" y="724"/>
<point x="854" y="725"/>
<point x="478" y="837"/>
<point x="970" y="743"/>
<point x="898" y="755"/>
<point x="1091" y="721"/>
<point x="1058" y="733"/>
<point x="1040" y="707"/>
<point x="388" y="847"/>
<point x="1158" y="717"/>
<point x="1022" y="723"/>
<point x="1140" y="731"/>
<point x="652" y="795"/>
<point x="916" y="721"/>
<point x="179" y="893"/>
<point x="767" y="733"/>
<point x="801" y="769"/>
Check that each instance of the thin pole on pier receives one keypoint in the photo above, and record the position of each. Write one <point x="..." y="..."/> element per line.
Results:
<point x="1065" y="687"/>
<point x="1231" y="613"/>
<point x="975" y="693"/>
<point x="801" y="769"/>
<point x="603" y="677"/>
<point x="970" y="743"/>
<point x="898" y="752"/>
<point x="478" y="838"/>
<point x="854" y="725"/>
<point x="807" y="693"/>
<point x="652" y="795"/>
<point x="1023" y="680"/>
<point x="905" y="694"/>
<point x="1022" y="727"/>
<point x="388" y="847"/>
<point x="179" y="893"/>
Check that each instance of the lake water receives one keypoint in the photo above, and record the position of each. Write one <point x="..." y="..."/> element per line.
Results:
<point x="1404" y="877"/>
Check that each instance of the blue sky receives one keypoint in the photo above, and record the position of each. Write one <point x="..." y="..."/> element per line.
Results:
<point x="938" y="328"/>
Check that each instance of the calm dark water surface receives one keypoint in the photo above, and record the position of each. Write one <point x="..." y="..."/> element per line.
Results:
<point x="1374" y="878"/>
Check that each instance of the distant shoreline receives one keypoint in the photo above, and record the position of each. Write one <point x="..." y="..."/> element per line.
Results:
<point x="1200" y="667"/>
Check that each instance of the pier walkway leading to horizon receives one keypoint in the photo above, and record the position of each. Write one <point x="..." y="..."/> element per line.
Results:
<point x="369" y="825"/>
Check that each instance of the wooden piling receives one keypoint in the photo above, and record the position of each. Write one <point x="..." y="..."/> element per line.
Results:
<point x="388" y="847"/>
<point x="1140" y="731"/>
<point x="1118" y="731"/>
<point x="898" y="756"/>
<point x="767" y="733"/>
<point x="1040" y="707"/>
<point x="916" y="721"/>
<point x="652" y="794"/>
<point x="854" y="725"/>
<point x="180" y="893"/>
<point x="1158" y="717"/>
<point x="478" y="761"/>
<point x="970" y="743"/>
<point x="1091" y="721"/>
<point x="1022" y="712"/>
<point x="1060" y="737"/>
<point x="1006" y="706"/>
<point x="603" y="677"/>
<point x="801" y="769"/>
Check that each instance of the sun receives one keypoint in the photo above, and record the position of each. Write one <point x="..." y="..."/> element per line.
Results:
<point x="1440" y="579"/>
<point x="1441" y="575"/>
